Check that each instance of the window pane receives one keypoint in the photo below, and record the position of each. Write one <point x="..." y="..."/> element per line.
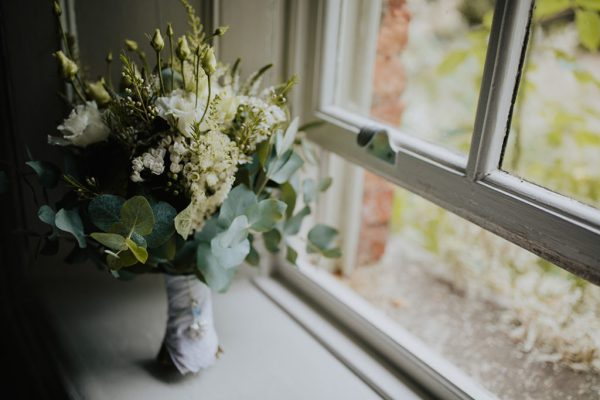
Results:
<point x="421" y="64"/>
<point x="520" y="326"/>
<point x="554" y="138"/>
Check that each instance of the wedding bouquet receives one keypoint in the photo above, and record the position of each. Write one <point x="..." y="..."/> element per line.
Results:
<point x="179" y="169"/>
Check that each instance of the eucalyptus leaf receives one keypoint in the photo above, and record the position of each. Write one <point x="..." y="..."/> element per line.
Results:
<point x="253" y="257"/>
<point x="164" y="227"/>
<point x="210" y="229"/>
<point x="47" y="214"/>
<point x="140" y="253"/>
<point x="216" y="276"/>
<point x="291" y="255"/>
<point x="70" y="221"/>
<point x="263" y="151"/>
<point x="288" y="196"/>
<point x="284" y="142"/>
<point x="292" y="226"/>
<point x="232" y="246"/>
<point x="272" y="239"/>
<point x="136" y="214"/>
<point x="238" y="201"/>
<point x="263" y="215"/>
<point x="105" y="211"/>
<point x="126" y="231"/>
<point x="113" y="241"/>
<point x="321" y="239"/>
<point x="281" y="169"/>
<point x="309" y="190"/>
<point x="124" y="259"/>
<point x="325" y="183"/>
<point x="47" y="173"/>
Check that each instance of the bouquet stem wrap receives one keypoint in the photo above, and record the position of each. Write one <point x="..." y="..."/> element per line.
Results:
<point x="190" y="339"/>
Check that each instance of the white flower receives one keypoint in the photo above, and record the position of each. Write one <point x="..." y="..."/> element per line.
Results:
<point x="181" y="110"/>
<point x="136" y="177"/>
<point x="84" y="125"/>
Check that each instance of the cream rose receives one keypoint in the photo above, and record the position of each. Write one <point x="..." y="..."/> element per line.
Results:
<point x="84" y="126"/>
<point x="179" y="108"/>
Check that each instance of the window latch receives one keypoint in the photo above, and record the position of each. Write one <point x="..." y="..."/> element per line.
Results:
<point x="376" y="142"/>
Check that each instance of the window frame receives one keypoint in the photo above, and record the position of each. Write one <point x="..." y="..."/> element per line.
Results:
<point x="553" y="226"/>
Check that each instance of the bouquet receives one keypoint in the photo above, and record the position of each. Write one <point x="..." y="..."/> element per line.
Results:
<point x="179" y="169"/>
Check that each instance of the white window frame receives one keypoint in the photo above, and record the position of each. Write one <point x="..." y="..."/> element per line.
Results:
<point x="555" y="227"/>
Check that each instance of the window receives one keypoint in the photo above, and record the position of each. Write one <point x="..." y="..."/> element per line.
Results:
<point x="455" y="104"/>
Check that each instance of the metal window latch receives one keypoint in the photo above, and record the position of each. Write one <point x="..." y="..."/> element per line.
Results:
<point x="376" y="142"/>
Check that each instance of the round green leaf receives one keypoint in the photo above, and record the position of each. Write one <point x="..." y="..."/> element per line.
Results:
<point x="113" y="241"/>
<point x="216" y="276"/>
<point x="105" y="211"/>
<point x="140" y="253"/>
<point x="70" y="221"/>
<point x="164" y="226"/>
<point x="264" y="215"/>
<point x="136" y="214"/>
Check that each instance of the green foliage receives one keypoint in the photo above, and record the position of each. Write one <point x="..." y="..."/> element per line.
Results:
<point x="136" y="213"/>
<point x="47" y="215"/>
<point x="139" y="252"/>
<point x="588" y="27"/>
<point x="216" y="277"/>
<point x="264" y="215"/>
<point x="282" y="168"/>
<point x="292" y="225"/>
<point x="547" y="8"/>
<point x="588" y="4"/>
<point x="237" y="203"/>
<point x="48" y="174"/>
<point x="311" y="189"/>
<point x="288" y="196"/>
<point x="70" y="221"/>
<point x="291" y="255"/>
<point x="164" y="228"/>
<point x="231" y="246"/>
<point x="123" y="259"/>
<point x="105" y="211"/>
<point x="452" y="60"/>
<point x="253" y="258"/>
<point x="113" y="241"/>
<point x="321" y="239"/>
<point x="284" y="142"/>
<point x="272" y="239"/>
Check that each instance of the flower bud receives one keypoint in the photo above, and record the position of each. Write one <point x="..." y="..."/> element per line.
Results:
<point x="98" y="92"/>
<point x="157" y="41"/>
<point x="183" y="50"/>
<point x="68" y="67"/>
<point x="220" y="31"/>
<point x="57" y="9"/>
<point x="109" y="57"/>
<point x="209" y="62"/>
<point x="131" y="45"/>
<point x="170" y="30"/>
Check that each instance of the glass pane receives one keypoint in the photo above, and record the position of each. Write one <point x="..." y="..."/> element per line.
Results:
<point x="426" y="66"/>
<point x="555" y="132"/>
<point x="520" y="326"/>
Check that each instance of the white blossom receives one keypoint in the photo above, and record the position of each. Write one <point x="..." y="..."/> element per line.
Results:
<point x="84" y="126"/>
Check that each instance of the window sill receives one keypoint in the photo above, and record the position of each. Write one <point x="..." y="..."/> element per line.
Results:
<point x="109" y="333"/>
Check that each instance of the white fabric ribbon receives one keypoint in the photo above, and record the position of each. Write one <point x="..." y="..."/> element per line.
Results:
<point x="191" y="339"/>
